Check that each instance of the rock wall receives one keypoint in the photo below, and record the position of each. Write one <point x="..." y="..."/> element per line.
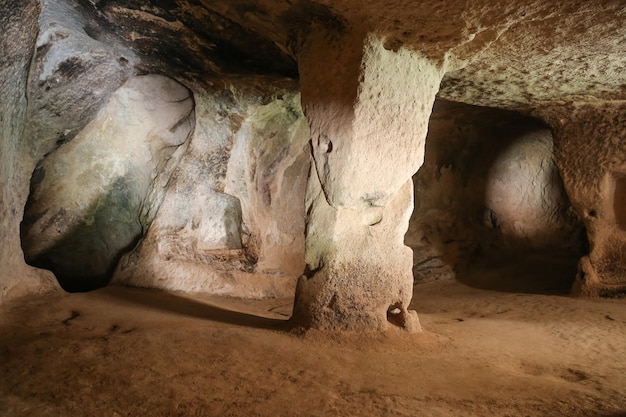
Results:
<point x="489" y="187"/>
<point x="230" y="218"/>
<point x="92" y="198"/>
<point x="72" y="75"/>
<point x="232" y="221"/>
<point x="48" y="67"/>
<point x="591" y="154"/>
<point x="106" y="141"/>
<point x="17" y="44"/>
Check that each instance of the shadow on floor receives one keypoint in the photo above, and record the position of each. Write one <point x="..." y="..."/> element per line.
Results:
<point x="186" y="305"/>
<point x="522" y="273"/>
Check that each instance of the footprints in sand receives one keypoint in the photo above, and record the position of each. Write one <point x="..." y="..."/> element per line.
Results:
<point x="109" y="330"/>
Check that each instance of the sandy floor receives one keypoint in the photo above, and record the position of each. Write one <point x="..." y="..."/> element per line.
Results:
<point x="129" y="352"/>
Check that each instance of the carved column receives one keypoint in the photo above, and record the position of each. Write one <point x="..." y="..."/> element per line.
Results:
<point x="368" y="108"/>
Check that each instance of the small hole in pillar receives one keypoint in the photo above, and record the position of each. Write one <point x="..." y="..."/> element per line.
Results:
<point x="395" y="315"/>
<point x="592" y="213"/>
<point x="325" y="144"/>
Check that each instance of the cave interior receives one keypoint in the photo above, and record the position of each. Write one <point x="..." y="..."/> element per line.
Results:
<point x="330" y="169"/>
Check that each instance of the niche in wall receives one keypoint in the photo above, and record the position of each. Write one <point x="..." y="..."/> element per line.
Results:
<point x="489" y="195"/>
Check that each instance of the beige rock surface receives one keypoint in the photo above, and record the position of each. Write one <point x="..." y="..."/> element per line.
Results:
<point x="591" y="154"/>
<point x="368" y="132"/>
<point x="359" y="194"/>
<point x="16" y="46"/>
<point x="232" y="221"/>
<point x="358" y="274"/>
<point x="489" y="187"/>
<point x="91" y="199"/>
<point x="71" y="75"/>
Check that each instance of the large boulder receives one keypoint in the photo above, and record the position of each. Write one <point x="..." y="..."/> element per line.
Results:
<point x="92" y="198"/>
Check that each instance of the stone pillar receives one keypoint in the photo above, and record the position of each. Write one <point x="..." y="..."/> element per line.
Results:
<point x="368" y="108"/>
<point x="590" y="150"/>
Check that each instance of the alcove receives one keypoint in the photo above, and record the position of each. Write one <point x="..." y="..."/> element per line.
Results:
<point x="490" y="207"/>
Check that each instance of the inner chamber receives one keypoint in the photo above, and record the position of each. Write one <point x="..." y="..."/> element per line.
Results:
<point x="490" y="207"/>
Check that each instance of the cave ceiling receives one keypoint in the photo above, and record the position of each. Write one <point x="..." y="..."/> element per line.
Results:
<point x="519" y="54"/>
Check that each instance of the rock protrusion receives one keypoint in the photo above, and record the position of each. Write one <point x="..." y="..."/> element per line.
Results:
<point x="591" y="155"/>
<point x="93" y="198"/>
<point x="232" y="221"/>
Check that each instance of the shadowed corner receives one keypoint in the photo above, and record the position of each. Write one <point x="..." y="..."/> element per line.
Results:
<point x="491" y="210"/>
<point x="184" y="305"/>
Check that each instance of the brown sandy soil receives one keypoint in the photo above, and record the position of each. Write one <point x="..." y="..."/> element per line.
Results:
<point x="130" y="352"/>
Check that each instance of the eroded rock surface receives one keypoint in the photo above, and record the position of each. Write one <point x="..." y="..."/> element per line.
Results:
<point x="72" y="75"/>
<point x="368" y="73"/>
<point x="591" y="154"/>
<point x="357" y="266"/>
<point x="92" y="198"/>
<point x="359" y="195"/>
<point x="232" y="221"/>
<point x="17" y="44"/>
<point x="489" y="187"/>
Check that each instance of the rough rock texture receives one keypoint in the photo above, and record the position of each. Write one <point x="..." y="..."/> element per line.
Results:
<point x="545" y="52"/>
<point x="17" y="43"/>
<point x="357" y="264"/>
<point x="347" y="275"/>
<point x="72" y="75"/>
<point x="92" y="198"/>
<point x="369" y="72"/>
<point x="380" y="105"/>
<point x="268" y="171"/>
<point x="591" y="154"/>
<point x="489" y="186"/>
<point x="232" y="221"/>
<point x="196" y="39"/>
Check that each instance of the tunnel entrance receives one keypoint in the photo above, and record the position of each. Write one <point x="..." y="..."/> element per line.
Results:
<point x="490" y="207"/>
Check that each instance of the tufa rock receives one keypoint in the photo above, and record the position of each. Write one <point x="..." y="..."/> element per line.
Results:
<point x="92" y="198"/>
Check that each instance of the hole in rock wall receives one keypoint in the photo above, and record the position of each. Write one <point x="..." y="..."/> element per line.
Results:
<point x="396" y="315"/>
<point x="490" y="207"/>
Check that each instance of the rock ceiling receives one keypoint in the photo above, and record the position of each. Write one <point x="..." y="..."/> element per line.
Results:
<point x="521" y="54"/>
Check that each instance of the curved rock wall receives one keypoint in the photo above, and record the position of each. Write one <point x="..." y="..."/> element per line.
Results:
<point x="17" y="43"/>
<point x="489" y="186"/>
<point x="591" y="154"/>
<point x="92" y="198"/>
<point x="232" y="221"/>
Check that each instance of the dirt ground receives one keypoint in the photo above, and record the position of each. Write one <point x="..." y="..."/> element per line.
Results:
<point x="130" y="352"/>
